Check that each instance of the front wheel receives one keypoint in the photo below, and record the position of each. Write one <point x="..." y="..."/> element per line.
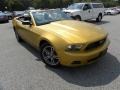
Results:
<point x="108" y="13"/>
<point x="49" y="55"/>
<point x="7" y="21"/>
<point x="78" y="18"/>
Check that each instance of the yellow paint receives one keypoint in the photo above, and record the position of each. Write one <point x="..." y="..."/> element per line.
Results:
<point x="60" y="34"/>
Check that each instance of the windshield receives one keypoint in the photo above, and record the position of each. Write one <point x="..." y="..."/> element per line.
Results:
<point x="45" y="17"/>
<point x="76" y="6"/>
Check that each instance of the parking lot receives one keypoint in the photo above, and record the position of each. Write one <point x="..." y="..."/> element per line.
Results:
<point x="21" y="68"/>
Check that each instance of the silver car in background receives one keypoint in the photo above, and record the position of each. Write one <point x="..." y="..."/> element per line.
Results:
<point x="3" y="17"/>
<point x="18" y="13"/>
<point x="9" y="14"/>
<point x="111" y="11"/>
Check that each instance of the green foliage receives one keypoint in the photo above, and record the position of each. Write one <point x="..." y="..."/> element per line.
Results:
<point x="119" y="2"/>
<point x="2" y="4"/>
<point x="24" y="4"/>
<point x="13" y="4"/>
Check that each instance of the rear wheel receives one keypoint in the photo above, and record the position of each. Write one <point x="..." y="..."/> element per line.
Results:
<point x="49" y="55"/>
<point x="108" y="13"/>
<point x="17" y="36"/>
<point x="10" y="17"/>
<point x="99" y="18"/>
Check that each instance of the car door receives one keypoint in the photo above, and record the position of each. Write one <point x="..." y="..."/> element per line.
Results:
<point x="87" y="11"/>
<point x="29" y="32"/>
<point x="97" y="9"/>
<point x="31" y="35"/>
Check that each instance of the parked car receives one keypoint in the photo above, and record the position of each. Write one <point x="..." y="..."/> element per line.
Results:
<point x="31" y="8"/>
<point x="86" y="11"/>
<point x="18" y="13"/>
<point x="60" y="39"/>
<point x="9" y="14"/>
<point x="3" y="17"/>
<point x="117" y="9"/>
<point x="111" y="11"/>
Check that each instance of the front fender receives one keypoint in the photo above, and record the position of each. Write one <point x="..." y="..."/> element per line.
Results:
<point x="58" y="43"/>
<point x="55" y="41"/>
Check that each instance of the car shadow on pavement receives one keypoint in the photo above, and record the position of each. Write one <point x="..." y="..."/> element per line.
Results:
<point x="101" y="73"/>
<point x="32" y="50"/>
<point x="3" y="22"/>
<point x="98" y="23"/>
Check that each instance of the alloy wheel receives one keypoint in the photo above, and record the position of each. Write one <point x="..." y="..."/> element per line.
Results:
<point x="49" y="55"/>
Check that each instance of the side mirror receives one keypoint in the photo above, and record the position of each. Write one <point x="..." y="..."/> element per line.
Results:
<point x="26" y="23"/>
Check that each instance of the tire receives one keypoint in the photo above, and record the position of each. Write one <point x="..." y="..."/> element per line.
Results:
<point x="17" y="36"/>
<point x="7" y="21"/>
<point x="77" y="18"/>
<point x="99" y="18"/>
<point x="10" y="17"/>
<point x="49" y="55"/>
<point x="108" y="13"/>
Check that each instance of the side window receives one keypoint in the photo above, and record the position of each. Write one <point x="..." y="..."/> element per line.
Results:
<point x="98" y="5"/>
<point x="87" y="6"/>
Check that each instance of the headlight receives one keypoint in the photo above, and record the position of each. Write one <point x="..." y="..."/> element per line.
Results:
<point x="74" y="47"/>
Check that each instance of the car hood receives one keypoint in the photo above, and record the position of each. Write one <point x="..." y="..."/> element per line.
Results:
<point x="75" y="31"/>
<point x="111" y="11"/>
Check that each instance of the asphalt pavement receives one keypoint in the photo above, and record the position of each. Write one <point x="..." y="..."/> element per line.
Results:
<point x="22" y="69"/>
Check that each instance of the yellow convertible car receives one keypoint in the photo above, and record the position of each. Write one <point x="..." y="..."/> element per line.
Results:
<point x="61" y="40"/>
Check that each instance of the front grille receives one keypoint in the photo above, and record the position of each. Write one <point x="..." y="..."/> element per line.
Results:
<point x="96" y="44"/>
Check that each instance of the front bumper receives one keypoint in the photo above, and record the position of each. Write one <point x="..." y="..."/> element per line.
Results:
<point x="83" y="58"/>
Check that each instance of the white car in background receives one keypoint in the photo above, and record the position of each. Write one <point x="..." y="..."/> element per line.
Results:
<point x="86" y="11"/>
<point x="111" y="11"/>
<point x="118" y="9"/>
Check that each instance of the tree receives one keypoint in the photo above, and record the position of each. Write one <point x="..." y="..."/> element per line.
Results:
<point x="13" y="4"/>
<point x="24" y="4"/>
<point x="2" y="4"/>
<point x="41" y="3"/>
<point x="119" y="2"/>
